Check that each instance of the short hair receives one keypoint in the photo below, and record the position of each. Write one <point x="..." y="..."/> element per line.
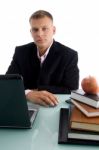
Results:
<point x="41" y="14"/>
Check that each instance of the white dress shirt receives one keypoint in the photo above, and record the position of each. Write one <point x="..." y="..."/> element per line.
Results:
<point x="41" y="58"/>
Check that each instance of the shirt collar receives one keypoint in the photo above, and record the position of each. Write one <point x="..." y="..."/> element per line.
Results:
<point x="43" y="57"/>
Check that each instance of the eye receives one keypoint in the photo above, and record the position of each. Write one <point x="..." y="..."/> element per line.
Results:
<point x="45" y="29"/>
<point x="34" y="29"/>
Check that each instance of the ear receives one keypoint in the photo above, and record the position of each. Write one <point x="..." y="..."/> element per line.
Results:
<point x="30" y="31"/>
<point x="54" y="29"/>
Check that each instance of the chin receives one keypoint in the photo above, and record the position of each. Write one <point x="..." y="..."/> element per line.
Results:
<point x="43" y="45"/>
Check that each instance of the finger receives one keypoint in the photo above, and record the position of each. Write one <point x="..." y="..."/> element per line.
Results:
<point x="43" y="103"/>
<point x="40" y="100"/>
<point x="52" y="97"/>
<point x="47" y="100"/>
<point x="50" y="101"/>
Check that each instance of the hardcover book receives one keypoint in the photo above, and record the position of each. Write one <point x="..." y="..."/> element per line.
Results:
<point x="64" y="129"/>
<point x="90" y="99"/>
<point x="86" y="135"/>
<point x="87" y="110"/>
<point x="80" y="122"/>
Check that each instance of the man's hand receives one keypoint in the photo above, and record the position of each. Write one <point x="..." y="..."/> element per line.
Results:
<point x="44" y="98"/>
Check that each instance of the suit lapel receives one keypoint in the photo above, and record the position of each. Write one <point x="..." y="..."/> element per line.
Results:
<point x="48" y="65"/>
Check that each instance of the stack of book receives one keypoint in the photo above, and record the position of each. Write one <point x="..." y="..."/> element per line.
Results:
<point x="84" y="116"/>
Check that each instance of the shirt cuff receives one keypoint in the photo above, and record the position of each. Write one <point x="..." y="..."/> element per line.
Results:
<point x="27" y="91"/>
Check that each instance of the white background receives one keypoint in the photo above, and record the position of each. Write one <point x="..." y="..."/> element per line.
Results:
<point x="76" y="21"/>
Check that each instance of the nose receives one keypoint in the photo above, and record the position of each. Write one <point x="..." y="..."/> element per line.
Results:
<point x="40" y="32"/>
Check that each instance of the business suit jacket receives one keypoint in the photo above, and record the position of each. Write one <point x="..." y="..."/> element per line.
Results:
<point x="58" y="74"/>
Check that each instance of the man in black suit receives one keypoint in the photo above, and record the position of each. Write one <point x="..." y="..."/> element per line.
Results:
<point x="46" y="66"/>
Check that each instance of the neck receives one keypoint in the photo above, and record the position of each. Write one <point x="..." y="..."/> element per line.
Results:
<point x="42" y="51"/>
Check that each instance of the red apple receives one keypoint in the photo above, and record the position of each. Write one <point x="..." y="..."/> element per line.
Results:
<point x="89" y="85"/>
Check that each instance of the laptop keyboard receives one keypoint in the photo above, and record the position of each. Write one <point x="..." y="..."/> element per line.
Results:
<point x="31" y="112"/>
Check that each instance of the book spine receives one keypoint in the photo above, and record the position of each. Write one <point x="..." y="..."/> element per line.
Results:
<point x="84" y="100"/>
<point x="63" y="127"/>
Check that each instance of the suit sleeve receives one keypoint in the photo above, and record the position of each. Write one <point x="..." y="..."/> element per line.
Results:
<point x="54" y="89"/>
<point x="71" y="73"/>
<point x="70" y="78"/>
<point x="14" y="67"/>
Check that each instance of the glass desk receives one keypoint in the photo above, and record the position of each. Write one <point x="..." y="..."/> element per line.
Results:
<point x="43" y="135"/>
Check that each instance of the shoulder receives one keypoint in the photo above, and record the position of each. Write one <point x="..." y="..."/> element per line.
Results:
<point x="64" y="50"/>
<point x="65" y="54"/>
<point x="26" y="46"/>
<point x="25" y="49"/>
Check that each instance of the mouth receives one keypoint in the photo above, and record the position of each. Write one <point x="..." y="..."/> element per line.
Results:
<point x="40" y="41"/>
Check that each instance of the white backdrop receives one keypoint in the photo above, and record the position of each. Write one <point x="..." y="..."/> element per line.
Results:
<point x="76" y="21"/>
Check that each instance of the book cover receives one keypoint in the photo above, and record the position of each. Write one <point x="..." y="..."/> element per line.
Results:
<point x="80" y="122"/>
<point x="63" y="131"/>
<point x="87" y="110"/>
<point x="86" y="135"/>
<point x="90" y="99"/>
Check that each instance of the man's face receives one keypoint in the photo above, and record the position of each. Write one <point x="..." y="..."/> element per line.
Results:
<point x="42" y="31"/>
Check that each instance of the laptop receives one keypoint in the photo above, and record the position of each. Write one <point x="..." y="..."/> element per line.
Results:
<point x="15" y="111"/>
